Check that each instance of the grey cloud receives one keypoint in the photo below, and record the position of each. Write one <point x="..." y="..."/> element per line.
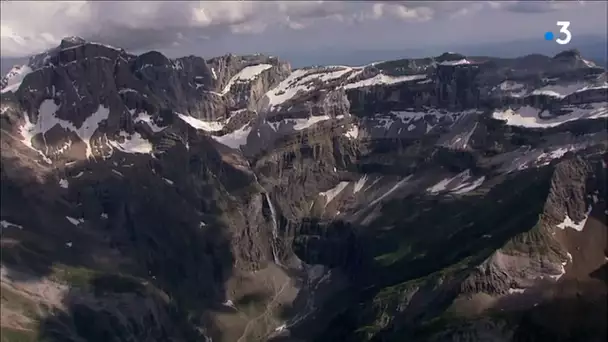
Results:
<point x="132" y="24"/>
<point x="134" y="38"/>
<point x="533" y="7"/>
<point x="217" y="26"/>
<point x="141" y="25"/>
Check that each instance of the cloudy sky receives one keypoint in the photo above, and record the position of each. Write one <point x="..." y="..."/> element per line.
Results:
<point x="217" y="27"/>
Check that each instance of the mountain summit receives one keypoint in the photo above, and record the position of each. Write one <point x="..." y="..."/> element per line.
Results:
<point x="233" y="199"/>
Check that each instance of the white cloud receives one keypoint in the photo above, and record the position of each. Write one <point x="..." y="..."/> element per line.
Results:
<point x="153" y="24"/>
<point x="377" y="10"/>
<point x="418" y="14"/>
<point x="136" y="24"/>
<point x="531" y="7"/>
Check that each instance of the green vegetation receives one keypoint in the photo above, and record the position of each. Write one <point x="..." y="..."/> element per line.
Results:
<point x="252" y="304"/>
<point x="18" y="335"/>
<point x="98" y="282"/>
<point x="369" y="331"/>
<point x="390" y="258"/>
<point x="74" y="276"/>
<point x="391" y="293"/>
<point x="117" y="283"/>
<point x="440" y="323"/>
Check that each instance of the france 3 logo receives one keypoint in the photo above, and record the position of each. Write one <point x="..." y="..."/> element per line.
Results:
<point x="566" y="34"/>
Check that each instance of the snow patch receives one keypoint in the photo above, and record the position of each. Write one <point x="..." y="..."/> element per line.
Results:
<point x="558" y="276"/>
<point x="64" y="147"/>
<point x="228" y="303"/>
<point x="168" y="181"/>
<point x="589" y="64"/>
<point x="468" y="187"/>
<point x="563" y="90"/>
<point x="15" y="77"/>
<point x="235" y="139"/>
<point x="461" y="140"/>
<point x="212" y="126"/>
<point x="301" y="81"/>
<point x="333" y="192"/>
<point x="460" y="178"/>
<point x="510" y="85"/>
<point x="246" y="75"/>
<point x="300" y="124"/>
<point x="134" y="143"/>
<point x="356" y="72"/>
<point x="578" y="226"/>
<point x="5" y="224"/>
<point x="359" y="184"/>
<point x="512" y="88"/>
<point x="353" y="132"/>
<point x="390" y="191"/>
<point x="411" y="118"/>
<point x="546" y="158"/>
<point x="127" y="90"/>
<point x="512" y="291"/>
<point x="456" y="62"/>
<point x="530" y="117"/>
<point x="146" y="118"/>
<point x="382" y="79"/>
<point x="64" y="183"/>
<point x="47" y="120"/>
<point x="569" y="256"/>
<point x="74" y="221"/>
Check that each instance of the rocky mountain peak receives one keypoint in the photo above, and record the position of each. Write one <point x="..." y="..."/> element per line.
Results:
<point x="569" y="54"/>
<point x="152" y="58"/>
<point x="72" y="41"/>
<point x="449" y="56"/>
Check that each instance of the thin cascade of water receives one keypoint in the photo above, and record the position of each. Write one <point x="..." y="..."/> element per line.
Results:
<point x="274" y="228"/>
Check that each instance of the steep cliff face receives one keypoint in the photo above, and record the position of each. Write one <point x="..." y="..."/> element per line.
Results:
<point x="234" y="199"/>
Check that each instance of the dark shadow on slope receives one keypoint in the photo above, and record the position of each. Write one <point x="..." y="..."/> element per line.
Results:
<point x="579" y="319"/>
<point x="140" y="265"/>
<point x="422" y="244"/>
<point x="560" y="319"/>
<point x="601" y="273"/>
<point x="468" y="229"/>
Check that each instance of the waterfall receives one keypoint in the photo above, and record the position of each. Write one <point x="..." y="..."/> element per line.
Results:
<point x="274" y="216"/>
<point x="274" y="229"/>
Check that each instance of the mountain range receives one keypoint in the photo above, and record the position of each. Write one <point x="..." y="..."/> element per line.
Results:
<point x="592" y="47"/>
<point x="233" y="199"/>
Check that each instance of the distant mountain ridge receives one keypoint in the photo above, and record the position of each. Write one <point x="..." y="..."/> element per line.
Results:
<point x="592" y="47"/>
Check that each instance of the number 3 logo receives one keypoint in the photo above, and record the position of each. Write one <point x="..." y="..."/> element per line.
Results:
<point x="564" y="29"/>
